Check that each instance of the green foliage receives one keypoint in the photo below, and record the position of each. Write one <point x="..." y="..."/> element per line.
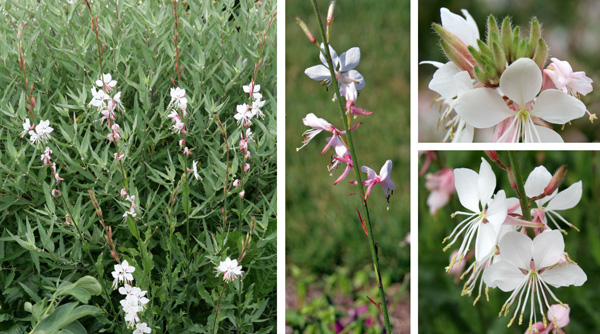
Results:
<point x="441" y="307"/>
<point x="54" y="251"/>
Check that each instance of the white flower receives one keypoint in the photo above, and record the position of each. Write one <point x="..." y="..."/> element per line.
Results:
<point x="343" y="66"/>
<point x="317" y="125"/>
<point x="106" y="80"/>
<point x="98" y="97"/>
<point x="42" y="132"/>
<point x="122" y="273"/>
<point x="195" y="170"/>
<point x="178" y="126"/>
<point x="252" y="88"/>
<point x="142" y="328"/>
<point x="535" y="184"/>
<point x="486" y="215"/>
<point x="178" y="99"/>
<point x="229" y="268"/>
<point x="521" y="82"/>
<point x="528" y="267"/>
<point x="383" y="179"/>
<point x="26" y="127"/>
<point x="256" y="105"/>
<point x="244" y="114"/>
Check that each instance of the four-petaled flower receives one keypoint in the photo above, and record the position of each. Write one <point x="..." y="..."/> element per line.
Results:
<point x="486" y="215"/>
<point x="343" y="67"/>
<point x="527" y="268"/>
<point x="521" y="82"/>
<point x="383" y="179"/>
<point x="195" y="170"/>
<point x="142" y="328"/>
<point x="230" y="269"/>
<point x="562" y="75"/>
<point x="106" y="82"/>
<point x="122" y="273"/>
<point x="178" y="99"/>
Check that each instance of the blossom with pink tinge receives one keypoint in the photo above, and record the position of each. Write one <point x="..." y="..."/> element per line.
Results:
<point x="244" y="114"/>
<point x="56" y="176"/>
<point x="187" y="151"/>
<point x="441" y="185"/>
<point x="179" y="126"/>
<point x="242" y="193"/>
<point x="178" y="99"/>
<point x="383" y="179"/>
<point x="252" y="89"/>
<point x="56" y="192"/>
<point x="317" y="124"/>
<point x="122" y="273"/>
<point x="195" y="170"/>
<point x="343" y="64"/>
<point x="230" y="270"/>
<point x="106" y="82"/>
<point x="342" y="155"/>
<point x="246" y="167"/>
<point x="118" y="156"/>
<point x="237" y="183"/>
<point x="123" y="193"/>
<point x="26" y="127"/>
<point x="46" y="156"/>
<point x="115" y="134"/>
<point x="564" y="79"/>
<point x="181" y="143"/>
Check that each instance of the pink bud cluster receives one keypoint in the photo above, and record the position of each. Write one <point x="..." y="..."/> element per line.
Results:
<point x="132" y="207"/>
<point x="47" y="161"/>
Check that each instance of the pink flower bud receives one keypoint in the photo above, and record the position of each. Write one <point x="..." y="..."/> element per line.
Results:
<point x="242" y="193"/>
<point x="556" y="180"/>
<point x="237" y="183"/>
<point x="56" y="192"/>
<point x="119" y="156"/>
<point x="561" y="313"/>
<point x="123" y="193"/>
<point x="246" y="167"/>
<point x="181" y="143"/>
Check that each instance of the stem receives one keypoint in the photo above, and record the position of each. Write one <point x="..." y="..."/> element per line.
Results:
<point x="372" y="242"/>
<point x="514" y="162"/>
<point x="218" y="305"/>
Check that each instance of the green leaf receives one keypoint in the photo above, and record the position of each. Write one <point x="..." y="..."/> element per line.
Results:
<point x="63" y="316"/>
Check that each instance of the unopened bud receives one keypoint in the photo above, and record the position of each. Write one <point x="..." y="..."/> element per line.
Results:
<point x="307" y="32"/>
<point x="534" y="35"/>
<point x="242" y="193"/>
<point x="462" y="58"/>
<point x="556" y="180"/>
<point x="541" y="53"/>
<point x="492" y="27"/>
<point x="506" y="36"/>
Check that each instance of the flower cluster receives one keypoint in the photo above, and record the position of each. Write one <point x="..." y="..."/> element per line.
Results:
<point x="134" y="300"/>
<point x="107" y="101"/>
<point x="37" y="133"/>
<point x="246" y="112"/>
<point x="502" y="84"/>
<point x="132" y="206"/>
<point x="244" y="116"/>
<point x="230" y="270"/>
<point x="178" y="113"/>
<point x="350" y="81"/>
<point x="505" y="256"/>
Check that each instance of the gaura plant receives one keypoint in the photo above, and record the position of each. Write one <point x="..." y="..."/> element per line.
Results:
<point x="503" y="84"/>
<point x="127" y="206"/>
<point x="516" y="243"/>
<point x="338" y="71"/>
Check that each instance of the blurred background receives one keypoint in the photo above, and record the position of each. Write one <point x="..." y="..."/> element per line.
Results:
<point x="328" y="261"/>
<point x="570" y="29"/>
<point x="441" y="307"/>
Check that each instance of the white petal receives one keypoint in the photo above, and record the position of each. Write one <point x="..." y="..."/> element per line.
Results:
<point x="487" y="236"/>
<point x="386" y="170"/>
<point x="431" y="62"/>
<point x="487" y="182"/>
<point x="349" y="59"/>
<point x="371" y="174"/>
<point x="464" y="135"/>
<point x="467" y="188"/>
<point x="556" y="107"/>
<point x="548" y="135"/>
<point x="443" y="80"/>
<point x="515" y="248"/>
<point x="521" y="81"/>
<point x="356" y="76"/>
<point x="463" y="82"/>
<point x="466" y="30"/>
<point x="482" y="108"/>
<point x="334" y="56"/>
<point x="504" y="276"/>
<point x="567" y="198"/>
<point x="548" y="248"/>
<point x="564" y="275"/>
<point x="537" y="181"/>
<point x="497" y="210"/>
<point x="318" y="72"/>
